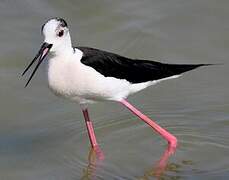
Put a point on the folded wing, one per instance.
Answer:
(133, 70)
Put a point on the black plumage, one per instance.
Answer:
(133, 70)
(63, 23)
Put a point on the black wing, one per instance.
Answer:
(134, 71)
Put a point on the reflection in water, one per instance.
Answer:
(163, 166)
(95, 159)
(162, 163)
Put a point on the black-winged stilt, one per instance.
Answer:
(87, 75)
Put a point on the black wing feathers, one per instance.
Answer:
(134, 71)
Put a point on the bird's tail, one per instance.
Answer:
(181, 68)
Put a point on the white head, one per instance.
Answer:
(56, 32)
(56, 40)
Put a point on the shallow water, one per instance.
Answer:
(44, 137)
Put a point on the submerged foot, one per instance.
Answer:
(172, 145)
(99, 153)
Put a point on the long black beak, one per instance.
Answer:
(42, 53)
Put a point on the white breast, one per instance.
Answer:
(61, 74)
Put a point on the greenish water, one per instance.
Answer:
(44, 137)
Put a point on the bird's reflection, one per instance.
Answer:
(162, 163)
(96, 157)
(160, 167)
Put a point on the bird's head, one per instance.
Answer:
(56, 40)
(56, 33)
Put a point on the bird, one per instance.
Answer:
(88, 75)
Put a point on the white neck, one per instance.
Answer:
(63, 51)
(64, 48)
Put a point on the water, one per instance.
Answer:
(44, 137)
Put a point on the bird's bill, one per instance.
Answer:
(42, 53)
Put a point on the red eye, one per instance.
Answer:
(60, 33)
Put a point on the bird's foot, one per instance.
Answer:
(99, 153)
(172, 145)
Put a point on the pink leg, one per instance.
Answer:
(172, 140)
(91, 134)
(90, 129)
